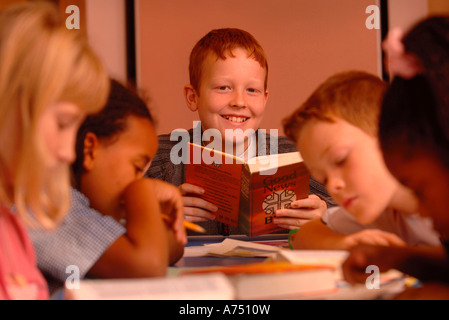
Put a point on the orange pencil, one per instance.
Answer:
(187, 224)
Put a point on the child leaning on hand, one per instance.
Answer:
(114, 228)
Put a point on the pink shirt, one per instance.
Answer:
(19, 276)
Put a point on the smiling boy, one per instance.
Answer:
(232, 95)
(228, 88)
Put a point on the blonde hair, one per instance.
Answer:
(354, 96)
(41, 63)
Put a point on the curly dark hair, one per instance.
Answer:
(415, 112)
(110, 121)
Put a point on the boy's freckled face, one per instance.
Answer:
(349, 163)
(232, 93)
(429, 179)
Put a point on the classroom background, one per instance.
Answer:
(148, 42)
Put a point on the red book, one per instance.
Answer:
(248, 193)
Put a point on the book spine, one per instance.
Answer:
(245, 202)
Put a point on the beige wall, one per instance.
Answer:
(107, 34)
(306, 41)
(404, 13)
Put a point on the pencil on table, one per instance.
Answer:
(187, 224)
(194, 227)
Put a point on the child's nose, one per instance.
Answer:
(238, 99)
(66, 153)
(335, 184)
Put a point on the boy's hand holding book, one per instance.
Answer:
(195, 208)
(300, 212)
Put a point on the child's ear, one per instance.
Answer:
(191, 97)
(89, 151)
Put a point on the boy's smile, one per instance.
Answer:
(235, 118)
(232, 93)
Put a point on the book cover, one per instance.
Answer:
(248, 193)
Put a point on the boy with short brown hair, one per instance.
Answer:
(336, 132)
(354, 96)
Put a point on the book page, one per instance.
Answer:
(220, 179)
(327, 257)
(237, 248)
(268, 163)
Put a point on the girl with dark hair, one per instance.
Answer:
(115, 228)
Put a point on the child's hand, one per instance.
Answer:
(195, 208)
(360, 257)
(300, 212)
(171, 204)
(371, 237)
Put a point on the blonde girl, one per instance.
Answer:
(49, 80)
